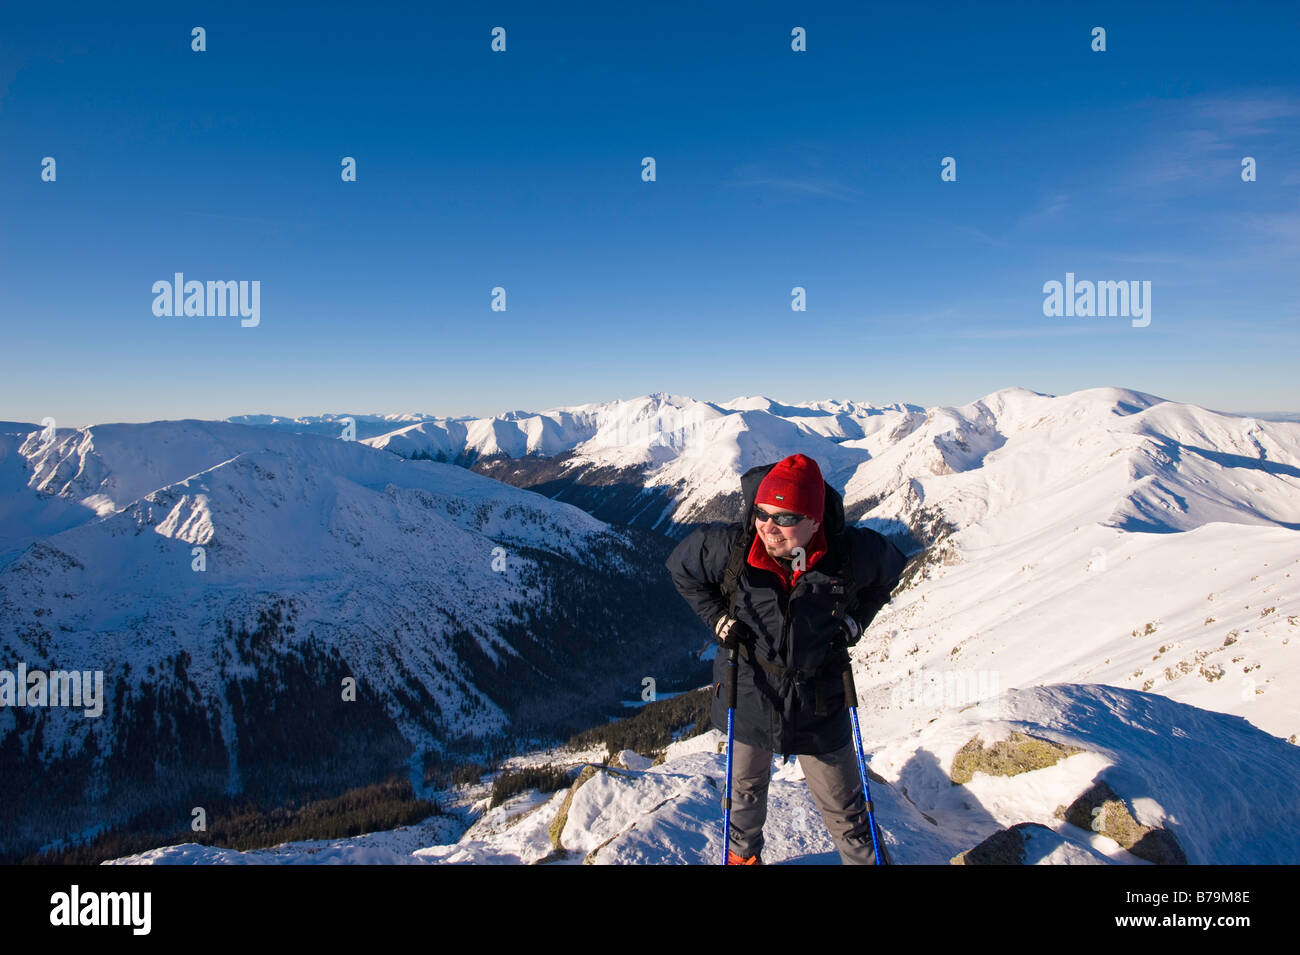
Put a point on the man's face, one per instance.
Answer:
(782, 541)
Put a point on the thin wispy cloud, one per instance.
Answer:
(913, 319)
(981, 235)
(1250, 115)
(1251, 240)
(1202, 140)
(229, 218)
(1051, 328)
(752, 176)
(1279, 226)
(1048, 209)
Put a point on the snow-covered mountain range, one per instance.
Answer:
(661, 461)
(1102, 537)
(226, 579)
(1053, 528)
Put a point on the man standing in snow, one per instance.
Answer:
(802, 589)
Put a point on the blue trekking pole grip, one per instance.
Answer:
(851, 701)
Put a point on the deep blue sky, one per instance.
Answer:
(522, 169)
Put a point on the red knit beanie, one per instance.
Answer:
(794, 484)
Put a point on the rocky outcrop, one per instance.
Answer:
(1102, 811)
(1027, 843)
(1010, 757)
(561, 817)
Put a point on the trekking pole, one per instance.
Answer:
(851, 701)
(731, 726)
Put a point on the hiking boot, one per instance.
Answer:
(733, 859)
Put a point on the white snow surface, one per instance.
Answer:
(1190, 771)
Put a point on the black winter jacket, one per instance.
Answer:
(783, 714)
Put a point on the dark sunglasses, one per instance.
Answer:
(782, 520)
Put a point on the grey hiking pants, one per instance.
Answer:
(834, 783)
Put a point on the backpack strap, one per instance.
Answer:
(848, 572)
(749, 482)
(735, 561)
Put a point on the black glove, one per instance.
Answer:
(728, 628)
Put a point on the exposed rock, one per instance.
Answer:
(590, 857)
(1004, 847)
(1102, 811)
(1009, 757)
(1028, 843)
(561, 817)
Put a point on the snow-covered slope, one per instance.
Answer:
(362, 541)
(222, 576)
(1103, 537)
(1189, 772)
(1124, 458)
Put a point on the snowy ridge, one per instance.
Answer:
(1101, 537)
(1184, 770)
(432, 586)
(1158, 465)
(429, 531)
(1014, 455)
(696, 448)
